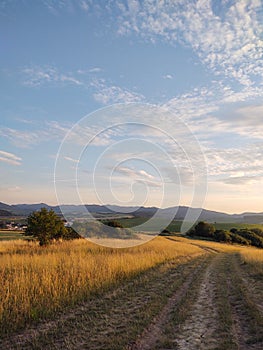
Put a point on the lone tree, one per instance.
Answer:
(45, 226)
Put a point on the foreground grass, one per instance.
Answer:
(254, 258)
(37, 281)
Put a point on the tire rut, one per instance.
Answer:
(198, 332)
(154, 332)
(221, 316)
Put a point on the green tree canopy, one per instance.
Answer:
(204, 229)
(45, 226)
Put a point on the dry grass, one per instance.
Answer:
(253, 257)
(38, 281)
(211, 245)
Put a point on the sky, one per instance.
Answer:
(154, 103)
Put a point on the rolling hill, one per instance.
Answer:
(179, 212)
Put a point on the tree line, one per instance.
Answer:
(246, 236)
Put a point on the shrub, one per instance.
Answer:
(257, 231)
(113, 223)
(236, 238)
(204, 229)
(191, 232)
(222, 236)
(255, 240)
(233, 230)
(165, 232)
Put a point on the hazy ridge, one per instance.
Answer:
(180, 212)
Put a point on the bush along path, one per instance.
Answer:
(207, 303)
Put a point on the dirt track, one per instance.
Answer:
(213, 302)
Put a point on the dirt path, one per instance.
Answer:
(217, 313)
(205, 303)
(198, 332)
(154, 331)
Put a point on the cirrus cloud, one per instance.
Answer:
(10, 158)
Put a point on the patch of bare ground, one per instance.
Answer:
(113, 320)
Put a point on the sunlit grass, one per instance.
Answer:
(37, 281)
(219, 247)
(253, 257)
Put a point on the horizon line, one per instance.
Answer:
(147, 207)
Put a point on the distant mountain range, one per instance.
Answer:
(180, 212)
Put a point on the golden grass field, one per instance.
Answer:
(253, 257)
(37, 281)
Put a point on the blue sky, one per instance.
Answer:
(200, 60)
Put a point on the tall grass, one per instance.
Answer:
(253, 257)
(37, 281)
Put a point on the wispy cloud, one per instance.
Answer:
(242, 180)
(10, 188)
(41, 132)
(244, 121)
(58, 6)
(85, 4)
(139, 176)
(198, 102)
(217, 109)
(20, 138)
(89, 71)
(179, 175)
(56, 131)
(168, 76)
(71, 159)
(55, 7)
(103, 91)
(10, 158)
(240, 166)
(36, 76)
(95, 70)
(107, 93)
